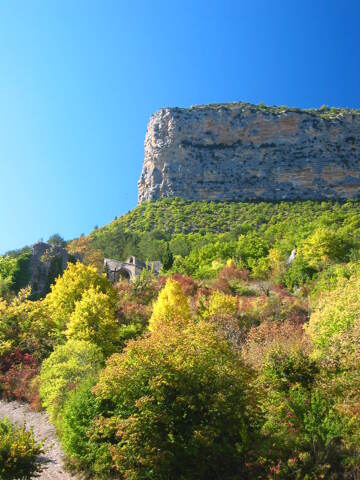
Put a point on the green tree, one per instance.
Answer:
(56, 240)
(301, 430)
(64, 370)
(79, 412)
(167, 258)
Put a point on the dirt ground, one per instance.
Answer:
(18, 413)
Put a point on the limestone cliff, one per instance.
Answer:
(247, 152)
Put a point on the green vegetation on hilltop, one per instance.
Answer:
(324, 111)
(199, 238)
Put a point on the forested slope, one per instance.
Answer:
(198, 238)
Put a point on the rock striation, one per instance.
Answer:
(247, 152)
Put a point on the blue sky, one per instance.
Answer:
(80, 78)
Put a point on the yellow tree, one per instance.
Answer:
(89, 255)
(323, 245)
(335, 313)
(221, 305)
(93, 320)
(171, 307)
(68, 290)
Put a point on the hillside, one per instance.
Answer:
(195, 234)
(215, 363)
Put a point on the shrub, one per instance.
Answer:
(64, 370)
(221, 305)
(18, 452)
(17, 369)
(187, 283)
(298, 273)
(80, 410)
(302, 431)
(269, 336)
(177, 406)
(335, 313)
(340, 381)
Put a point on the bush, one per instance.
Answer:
(221, 305)
(79, 411)
(298, 273)
(18, 452)
(335, 313)
(177, 406)
(302, 431)
(17, 369)
(64, 370)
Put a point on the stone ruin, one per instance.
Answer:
(46, 263)
(128, 270)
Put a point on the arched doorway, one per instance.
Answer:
(124, 274)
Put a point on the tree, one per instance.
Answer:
(177, 406)
(64, 370)
(301, 430)
(80, 410)
(171, 307)
(180, 245)
(335, 313)
(84, 248)
(69, 289)
(93, 320)
(220, 305)
(56, 240)
(323, 245)
(340, 381)
(167, 258)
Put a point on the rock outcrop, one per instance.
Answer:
(247, 152)
(46, 263)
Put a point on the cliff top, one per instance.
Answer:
(323, 112)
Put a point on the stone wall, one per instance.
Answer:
(247, 152)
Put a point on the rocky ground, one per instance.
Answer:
(18, 413)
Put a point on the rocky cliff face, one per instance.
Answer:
(247, 152)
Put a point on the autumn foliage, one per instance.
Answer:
(184, 378)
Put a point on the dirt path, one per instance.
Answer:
(18, 413)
